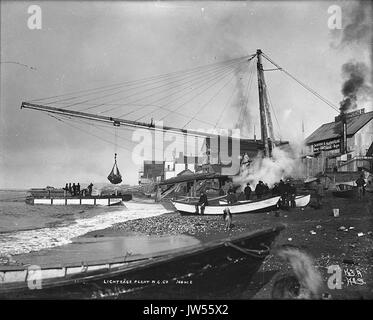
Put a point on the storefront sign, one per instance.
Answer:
(326, 145)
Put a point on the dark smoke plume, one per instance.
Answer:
(357, 29)
(355, 84)
(359, 23)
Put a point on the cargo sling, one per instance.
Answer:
(115, 177)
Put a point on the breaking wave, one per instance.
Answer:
(35, 240)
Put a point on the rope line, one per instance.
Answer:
(140, 80)
(194, 96)
(274, 112)
(212, 98)
(186, 75)
(119, 99)
(146, 89)
(330, 104)
(191, 86)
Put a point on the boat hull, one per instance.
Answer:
(70, 201)
(300, 201)
(237, 208)
(345, 191)
(197, 272)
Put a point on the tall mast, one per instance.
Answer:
(265, 114)
(263, 121)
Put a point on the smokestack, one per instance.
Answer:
(343, 147)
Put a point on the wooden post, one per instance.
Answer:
(263, 121)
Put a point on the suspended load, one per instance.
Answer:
(115, 177)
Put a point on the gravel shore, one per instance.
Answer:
(346, 241)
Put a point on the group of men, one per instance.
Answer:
(286, 190)
(74, 189)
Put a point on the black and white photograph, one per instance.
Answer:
(186, 150)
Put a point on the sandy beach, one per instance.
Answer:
(345, 241)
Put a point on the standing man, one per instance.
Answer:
(78, 189)
(90, 188)
(65, 190)
(231, 198)
(203, 202)
(292, 194)
(281, 191)
(360, 182)
(247, 191)
(259, 189)
(319, 193)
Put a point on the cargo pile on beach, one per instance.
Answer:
(175, 224)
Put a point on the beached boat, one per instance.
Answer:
(236, 208)
(300, 201)
(191, 271)
(52, 196)
(345, 191)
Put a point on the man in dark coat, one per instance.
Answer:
(360, 182)
(231, 198)
(259, 189)
(90, 188)
(203, 202)
(247, 191)
(282, 191)
(275, 191)
(292, 195)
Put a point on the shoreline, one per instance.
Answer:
(317, 232)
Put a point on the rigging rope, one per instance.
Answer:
(131, 82)
(227, 103)
(204, 82)
(95, 98)
(99, 127)
(274, 112)
(303, 84)
(212, 98)
(114, 100)
(195, 96)
(120, 91)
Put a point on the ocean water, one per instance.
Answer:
(26, 228)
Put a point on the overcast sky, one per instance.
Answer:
(90, 44)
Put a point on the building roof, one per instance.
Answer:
(191, 177)
(185, 172)
(332, 130)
